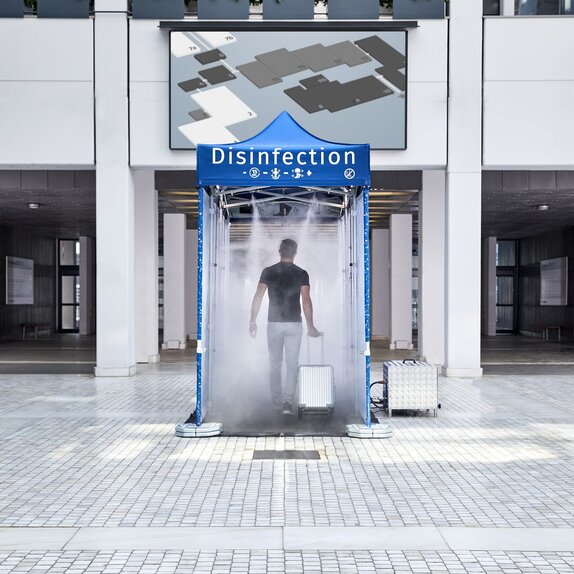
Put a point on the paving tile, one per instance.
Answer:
(35, 538)
(180, 538)
(498, 457)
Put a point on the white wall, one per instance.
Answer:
(432, 216)
(401, 276)
(488, 291)
(87, 285)
(146, 289)
(380, 284)
(115, 245)
(463, 191)
(174, 286)
(528, 93)
(191, 283)
(46, 92)
(47, 106)
(149, 99)
(427, 100)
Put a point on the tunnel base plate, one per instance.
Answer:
(374, 431)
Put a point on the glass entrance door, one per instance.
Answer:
(505, 320)
(69, 303)
(68, 286)
(506, 287)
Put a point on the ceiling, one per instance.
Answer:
(66, 202)
(510, 200)
(391, 192)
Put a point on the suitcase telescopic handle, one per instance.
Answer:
(309, 349)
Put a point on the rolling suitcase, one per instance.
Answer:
(316, 385)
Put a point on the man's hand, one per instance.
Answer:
(313, 332)
(255, 306)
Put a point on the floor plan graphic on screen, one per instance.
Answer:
(341, 86)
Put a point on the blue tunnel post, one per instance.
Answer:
(368, 430)
(193, 427)
(367, 256)
(199, 303)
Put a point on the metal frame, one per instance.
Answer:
(225, 196)
(291, 26)
(297, 26)
(247, 196)
(199, 304)
(367, 271)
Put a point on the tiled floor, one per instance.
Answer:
(469, 489)
(176, 562)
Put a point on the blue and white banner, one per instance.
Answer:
(283, 154)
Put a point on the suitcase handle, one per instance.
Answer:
(309, 349)
(409, 361)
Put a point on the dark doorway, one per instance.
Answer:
(68, 286)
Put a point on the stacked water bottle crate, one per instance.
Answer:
(412, 385)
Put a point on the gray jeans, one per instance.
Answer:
(279, 336)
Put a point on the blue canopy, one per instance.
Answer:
(283, 154)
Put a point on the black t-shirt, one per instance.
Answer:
(284, 281)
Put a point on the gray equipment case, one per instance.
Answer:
(411, 385)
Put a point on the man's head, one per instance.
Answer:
(288, 249)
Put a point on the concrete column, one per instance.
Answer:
(146, 267)
(174, 296)
(489, 286)
(87, 286)
(191, 283)
(401, 232)
(431, 267)
(380, 285)
(463, 190)
(114, 194)
(507, 7)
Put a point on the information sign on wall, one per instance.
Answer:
(554, 281)
(341, 86)
(19, 281)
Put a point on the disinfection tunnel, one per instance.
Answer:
(283, 183)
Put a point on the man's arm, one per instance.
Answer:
(308, 310)
(255, 306)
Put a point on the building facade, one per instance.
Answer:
(84, 119)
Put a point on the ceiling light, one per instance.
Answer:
(543, 207)
(173, 192)
(378, 193)
(34, 205)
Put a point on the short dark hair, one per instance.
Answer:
(288, 248)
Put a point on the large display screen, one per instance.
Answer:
(341, 86)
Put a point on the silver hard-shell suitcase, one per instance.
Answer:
(316, 385)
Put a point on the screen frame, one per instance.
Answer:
(281, 26)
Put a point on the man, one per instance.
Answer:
(288, 285)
